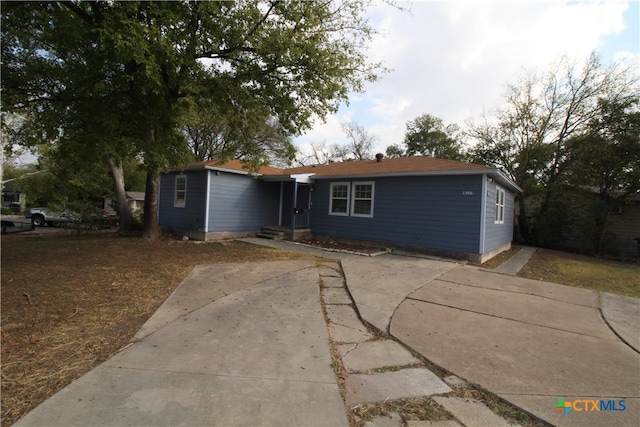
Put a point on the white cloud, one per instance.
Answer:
(453, 59)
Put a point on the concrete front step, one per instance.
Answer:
(271, 233)
(271, 236)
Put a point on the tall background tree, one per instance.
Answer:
(607, 165)
(359, 146)
(361, 142)
(140, 67)
(534, 138)
(427, 135)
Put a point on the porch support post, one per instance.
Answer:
(281, 199)
(293, 211)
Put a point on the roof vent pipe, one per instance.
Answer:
(379, 157)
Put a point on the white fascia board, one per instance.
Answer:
(219, 169)
(502, 178)
(304, 178)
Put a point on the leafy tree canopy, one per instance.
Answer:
(573, 123)
(124, 76)
(427, 135)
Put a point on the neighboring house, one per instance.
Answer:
(13, 198)
(135, 200)
(579, 232)
(623, 227)
(438, 206)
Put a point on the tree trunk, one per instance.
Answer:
(151, 227)
(601, 227)
(117, 174)
(523, 224)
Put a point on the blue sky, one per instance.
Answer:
(452, 59)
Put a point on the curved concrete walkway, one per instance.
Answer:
(235, 344)
(247, 344)
(527, 341)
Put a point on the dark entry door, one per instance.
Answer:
(303, 206)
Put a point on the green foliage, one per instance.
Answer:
(134, 175)
(427, 135)
(211, 135)
(607, 161)
(607, 157)
(394, 151)
(573, 125)
(552, 226)
(121, 78)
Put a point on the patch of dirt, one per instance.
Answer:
(499, 259)
(69, 302)
(344, 245)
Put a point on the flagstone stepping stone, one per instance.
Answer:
(406, 383)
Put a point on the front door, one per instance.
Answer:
(302, 206)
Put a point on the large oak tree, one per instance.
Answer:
(139, 67)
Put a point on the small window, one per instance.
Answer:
(499, 218)
(181, 191)
(362, 204)
(339, 203)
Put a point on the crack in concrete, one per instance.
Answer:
(205, 374)
(513, 292)
(504, 318)
(355, 346)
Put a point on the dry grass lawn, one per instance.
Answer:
(69, 302)
(600, 274)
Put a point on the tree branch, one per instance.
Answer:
(78, 11)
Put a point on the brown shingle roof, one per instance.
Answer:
(235, 165)
(416, 165)
(401, 165)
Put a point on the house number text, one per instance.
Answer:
(467, 193)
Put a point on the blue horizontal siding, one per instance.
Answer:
(497, 235)
(192, 215)
(239, 203)
(427, 212)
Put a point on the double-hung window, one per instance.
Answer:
(362, 204)
(499, 218)
(339, 202)
(351, 199)
(180, 198)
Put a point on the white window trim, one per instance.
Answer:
(353, 198)
(500, 205)
(333, 184)
(175, 192)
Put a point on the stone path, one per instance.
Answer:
(514, 264)
(379, 370)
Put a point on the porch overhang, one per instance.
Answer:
(300, 178)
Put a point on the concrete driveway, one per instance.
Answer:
(529, 342)
(247, 344)
(235, 344)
